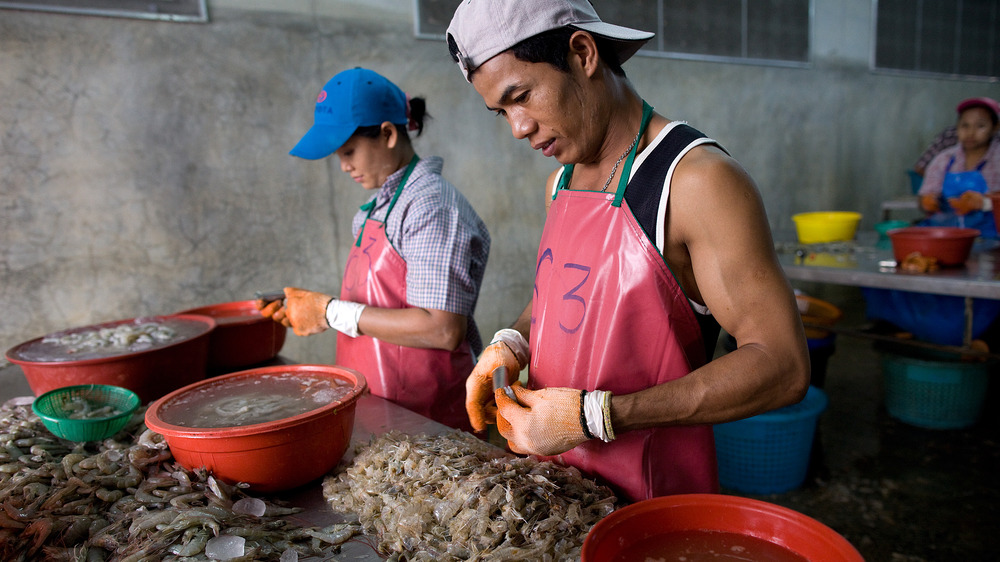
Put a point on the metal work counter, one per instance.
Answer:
(373, 416)
(869, 263)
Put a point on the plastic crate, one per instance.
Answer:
(934, 394)
(769, 453)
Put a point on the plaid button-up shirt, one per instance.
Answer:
(440, 236)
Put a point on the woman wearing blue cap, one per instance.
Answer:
(412, 279)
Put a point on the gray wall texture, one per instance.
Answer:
(144, 165)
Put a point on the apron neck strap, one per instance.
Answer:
(567, 174)
(647, 114)
(370, 206)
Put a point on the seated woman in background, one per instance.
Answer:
(958, 180)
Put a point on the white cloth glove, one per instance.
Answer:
(343, 316)
(597, 410)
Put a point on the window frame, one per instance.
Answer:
(657, 40)
(195, 11)
(746, 60)
(916, 73)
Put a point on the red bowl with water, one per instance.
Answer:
(694, 525)
(149, 370)
(224, 423)
(242, 337)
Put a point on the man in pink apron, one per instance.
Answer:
(650, 226)
(413, 275)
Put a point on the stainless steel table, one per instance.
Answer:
(373, 416)
(870, 263)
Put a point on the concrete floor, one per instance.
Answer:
(898, 492)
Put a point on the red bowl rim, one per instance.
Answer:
(933, 233)
(222, 310)
(209, 322)
(714, 508)
(154, 422)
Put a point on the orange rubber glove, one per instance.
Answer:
(547, 424)
(269, 309)
(967, 202)
(479, 403)
(303, 311)
(930, 203)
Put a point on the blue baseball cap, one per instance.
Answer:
(354, 98)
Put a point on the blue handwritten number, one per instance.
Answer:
(572, 296)
(545, 257)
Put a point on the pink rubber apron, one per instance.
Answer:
(608, 314)
(430, 382)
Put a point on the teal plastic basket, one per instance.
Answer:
(935, 394)
(89, 412)
(769, 453)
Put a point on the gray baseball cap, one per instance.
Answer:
(482, 29)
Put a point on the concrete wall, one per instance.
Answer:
(144, 166)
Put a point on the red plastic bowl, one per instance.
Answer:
(949, 244)
(150, 373)
(242, 337)
(659, 517)
(271, 456)
(995, 198)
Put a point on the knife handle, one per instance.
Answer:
(500, 381)
(270, 296)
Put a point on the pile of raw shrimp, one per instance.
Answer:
(124, 499)
(454, 497)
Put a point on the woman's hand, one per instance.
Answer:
(930, 203)
(301, 310)
(968, 202)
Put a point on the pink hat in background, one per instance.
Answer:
(988, 103)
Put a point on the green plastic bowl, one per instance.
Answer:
(89, 412)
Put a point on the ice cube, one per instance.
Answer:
(249, 506)
(224, 547)
(289, 555)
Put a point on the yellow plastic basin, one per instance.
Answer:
(826, 226)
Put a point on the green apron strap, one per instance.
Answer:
(647, 114)
(370, 206)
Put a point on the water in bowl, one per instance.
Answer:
(241, 401)
(100, 341)
(702, 546)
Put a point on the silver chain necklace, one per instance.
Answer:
(619, 161)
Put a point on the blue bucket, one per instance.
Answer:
(934, 394)
(769, 453)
